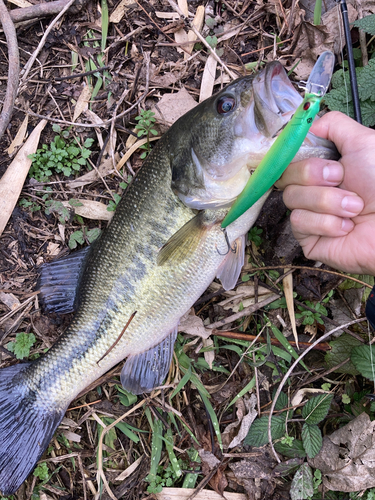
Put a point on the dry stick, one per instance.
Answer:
(14, 67)
(325, 347)
(37, 11)
(119, 337)
(335, 273)
(202, 39)
(100, 446)
(30, 62)
(282, 383)
(245, 312)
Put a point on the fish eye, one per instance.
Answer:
(225, 104)
(306, 105)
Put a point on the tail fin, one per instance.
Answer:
(26, 428)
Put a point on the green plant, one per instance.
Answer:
(31, 205)
(78, 237)
(309, 317)
(61, 156)
(340, 99)
(42, 472)
(254, 235)
(145, 126)
(22, 345)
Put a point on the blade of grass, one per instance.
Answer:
(213, 417)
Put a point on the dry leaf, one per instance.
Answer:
(198, 25)
(312, 40)
(21, 133)
(105, 168)
(129, 470)
(208, 78)
(91, 210)
(193, 325)
(120, 10)
(244, 420)
(21, 3)
(172, 106)
(185, 493)
(209, 356)
(9, 300)
(71, 436)
(208, 459)
(300, 394)
(288, 292)
(12, 181)
(82, 102)
(347, 458)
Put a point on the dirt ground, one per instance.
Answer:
(150, 52)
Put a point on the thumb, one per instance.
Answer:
(340, 129)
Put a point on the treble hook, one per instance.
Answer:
(230, 249)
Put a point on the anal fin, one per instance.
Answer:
(230, 269)
(142, 372)
(58, 281)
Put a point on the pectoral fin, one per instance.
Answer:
(144, 371)
(185, 241)
(230, 269)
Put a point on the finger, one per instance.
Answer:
(323, 200)
(306, 223)
(312, 172)
(346, 133)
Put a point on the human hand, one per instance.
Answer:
(333, 202)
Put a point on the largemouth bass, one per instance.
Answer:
(155, 259)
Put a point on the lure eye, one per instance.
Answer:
(225, 105)
(306, 106)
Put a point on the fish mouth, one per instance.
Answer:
(274, 91)
(275, 101)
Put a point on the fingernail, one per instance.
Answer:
(332, 173)
(352, 204)
(347, 225)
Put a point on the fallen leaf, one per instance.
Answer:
(9, 300)
(208, 459)
(288, 292)
(18, 140)
(208, 78)
(185, 493)
(301, 393)
(82, 102)
(347, 457)
(193, 325)
(209, 356)
(246, 421)
(12, 181)
(91, 210)
(105, 168)
(129, 470)
(198, 25)
(121, 10)
(171, 107)
(21, 3)
(311, 40)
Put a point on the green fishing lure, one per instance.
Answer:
(284, 149)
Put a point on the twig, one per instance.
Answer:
(37, 11)
(245, 312)
(81, 75)
(119, 338)
(30, 62)
(100, 446)
(286, 376)
(335, 273)
(202, 39)
(249, 338)
(13, 69)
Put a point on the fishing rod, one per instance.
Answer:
(352, 73)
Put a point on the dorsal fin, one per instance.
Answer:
(58, 281)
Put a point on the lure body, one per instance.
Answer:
(278, 157)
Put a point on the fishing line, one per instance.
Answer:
(349, 51)
(342, 58)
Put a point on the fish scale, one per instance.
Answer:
(155, 259)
